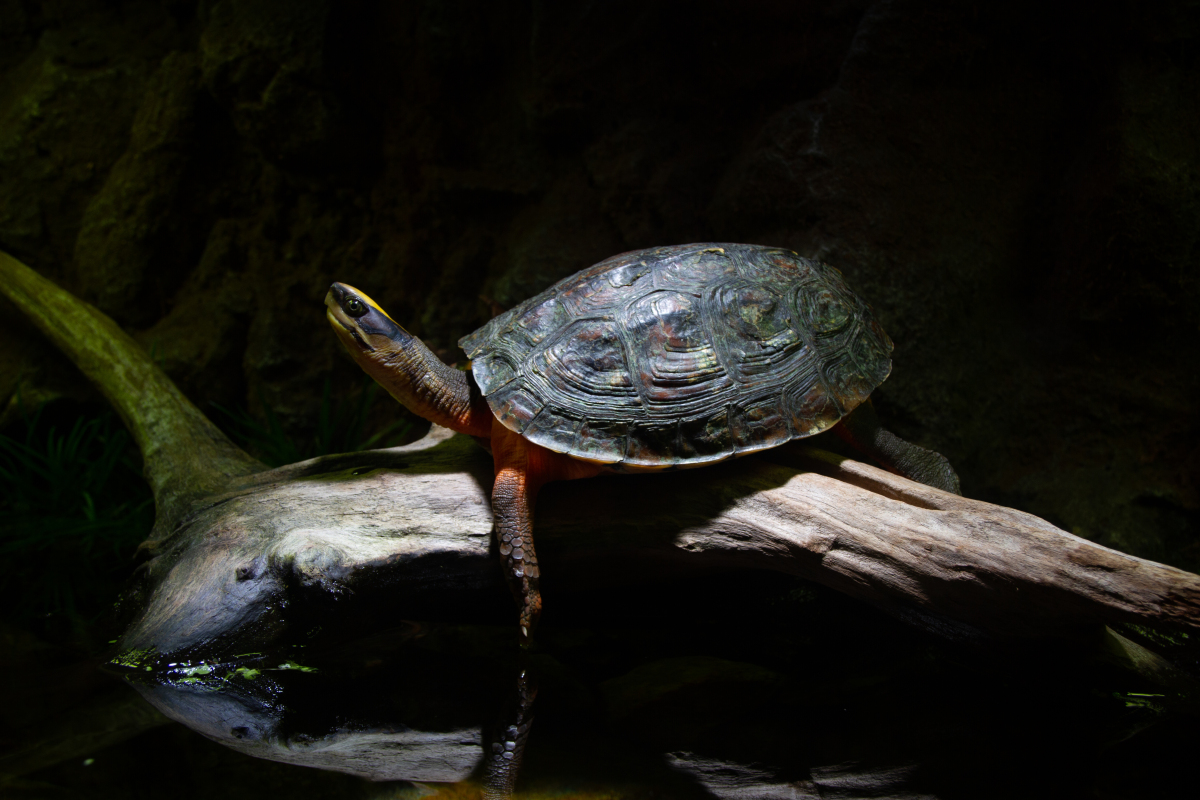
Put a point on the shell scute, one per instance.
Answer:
(648, 442)
(701, 267)
(706, 438)
(759, 424)
(551, 426)
(844, 382)
(603, 441)
(597, 295)
(823, 311)
(627, 274)
(543, 319)
(586, 366)
(812, 407)
(774, 266)
(674, 353)
(871, 358)
(515, 406)
(492, 371)
(754, 326)
(474, 343)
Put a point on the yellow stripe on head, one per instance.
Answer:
(366, 298)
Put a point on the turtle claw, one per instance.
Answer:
(530, 600)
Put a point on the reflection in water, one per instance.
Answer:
(809, 698)
(405, 707)
(256, 727)
(379, 711)
(507, 743)
(732, 781)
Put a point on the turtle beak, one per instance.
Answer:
(335, 294)
(345, 326)
(334, 298)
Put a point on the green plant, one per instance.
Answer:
(73, 508)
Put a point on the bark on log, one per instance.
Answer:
(241, 552)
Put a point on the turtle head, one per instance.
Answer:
(365, 329)
(402, 364)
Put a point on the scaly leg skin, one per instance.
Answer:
(862, 429)
(512, 505)
(519, 475)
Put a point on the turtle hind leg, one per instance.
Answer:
(862, 429)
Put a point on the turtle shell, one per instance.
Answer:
(681, 356)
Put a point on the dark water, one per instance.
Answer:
(670, 692)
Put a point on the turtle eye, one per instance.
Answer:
(354, 307)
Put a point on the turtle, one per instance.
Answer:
(668, 357)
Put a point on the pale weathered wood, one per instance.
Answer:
(245, 554)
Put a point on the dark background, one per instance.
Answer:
(1014, 187)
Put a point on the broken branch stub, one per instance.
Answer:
(185, 455)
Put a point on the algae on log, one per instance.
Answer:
(240, 552)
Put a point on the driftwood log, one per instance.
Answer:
(237, 550)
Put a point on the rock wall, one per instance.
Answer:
(1015, 188)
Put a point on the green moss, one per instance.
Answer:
(1161, 637)
(135, 659)
(212, 674)
(1150, 702)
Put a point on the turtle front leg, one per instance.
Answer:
(513, 494)
(522, 468)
